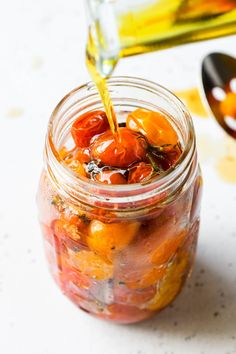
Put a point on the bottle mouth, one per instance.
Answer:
(127, 94)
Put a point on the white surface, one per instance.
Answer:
(42, 58)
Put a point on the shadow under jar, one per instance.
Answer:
(114, 279)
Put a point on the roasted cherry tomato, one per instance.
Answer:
(83, 155)
(140, 172)
(228, 106)
(70, 230)
(107, 239)
(166, 159)
(88, 125)
(110, 177)
(154, 126)
(119, 151)
(168, 249)
(91, 264)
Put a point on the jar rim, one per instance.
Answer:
(77, 185)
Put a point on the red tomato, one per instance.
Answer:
(124, 295)
(167, 159)
(119, 151)
(139, 172)
(110, 177)
(88, 125)
(83, 155)
(126, 314)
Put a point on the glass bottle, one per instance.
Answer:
(121, 28)
(122, 282)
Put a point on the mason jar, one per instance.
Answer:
(144, 235)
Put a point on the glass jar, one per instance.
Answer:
(120, 252)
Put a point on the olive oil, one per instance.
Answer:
(100, 81)
(123, 28)
(165, 24)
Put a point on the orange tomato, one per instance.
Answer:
(69, 227)
(91, 264)
(154, 125)
(107, 239)
(110, 177)
(119, 151)
(228, 105)
(168, 249)
(77, 167)
(145, 277)
(83, 155)
(88, 125)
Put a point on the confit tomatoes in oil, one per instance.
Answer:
(154, 126)
(110, 177)
(88, 125)
(119, 151)
(139, 172)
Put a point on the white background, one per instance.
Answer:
(41, 59)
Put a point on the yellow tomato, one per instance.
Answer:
(171, 285)
(154, 125)
(91, 264)
(107, 239)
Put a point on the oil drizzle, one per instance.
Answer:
(100, 82)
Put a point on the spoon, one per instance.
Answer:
(218, 73)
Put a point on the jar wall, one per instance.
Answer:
(116, 269)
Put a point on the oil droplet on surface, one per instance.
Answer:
(208, 148)
(226, 165)
(15, 112)
(193, 101)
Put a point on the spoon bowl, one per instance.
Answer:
(218, 74)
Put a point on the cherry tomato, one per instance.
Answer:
(228, 106)
(122, 151)
(72, 275)
(110, 177)
(166, 159)
(83, 155)
(107, 239)
(88, 125)
(70, 230)
(154, 126)
(91, 264)
(168, 249)
(77, 167)
(126, 313)
(140, 172)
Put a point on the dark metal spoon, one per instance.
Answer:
(218, 72)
